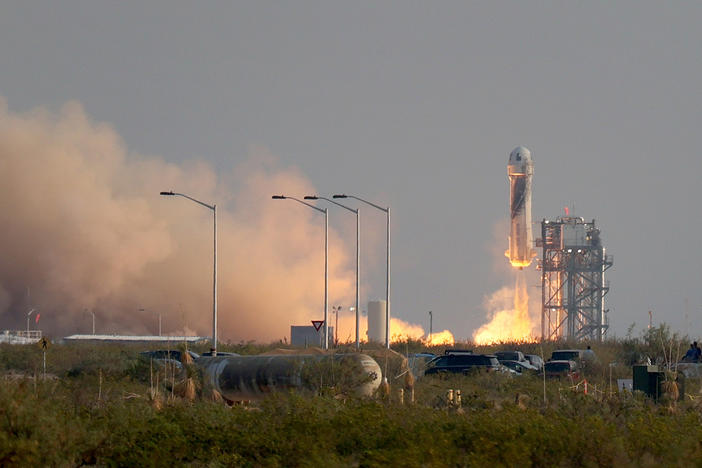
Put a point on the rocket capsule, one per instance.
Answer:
(520, 168)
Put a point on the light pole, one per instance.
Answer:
(357, 212)
(431, 317)
(214, 274)
(387, 271)
(159, 319)
(326, 258)
(93, 314)
(28, 315)
(336, 325)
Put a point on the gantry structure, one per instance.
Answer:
(573, 286)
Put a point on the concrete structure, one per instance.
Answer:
(135, 339)
(20, 336)
(306, 335)
(376, 321)
(573, 285)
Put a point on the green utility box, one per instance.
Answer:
(649, 380)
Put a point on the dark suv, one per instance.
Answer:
(462, 363)
(510, 356)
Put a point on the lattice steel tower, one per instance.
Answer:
(573, 285)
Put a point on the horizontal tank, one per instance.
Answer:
(240, 378)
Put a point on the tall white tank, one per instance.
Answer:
(376, 321)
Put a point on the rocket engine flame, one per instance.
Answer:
(509, 322)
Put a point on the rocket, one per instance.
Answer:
(520, 168)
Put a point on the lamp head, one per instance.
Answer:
(340, 196)
(311, 197)
(278, 197)
(168, 193)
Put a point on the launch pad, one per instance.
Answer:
(573, 285)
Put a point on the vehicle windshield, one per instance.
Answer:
(558, 366)
(439, 361)
(564, 355)
(508, 355)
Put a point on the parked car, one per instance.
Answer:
(520, 367)
(462, 364)
(535, 360)
(219, 353)
(510, 356)
(561, 368)
(167, 354)
(572, 355)
(566, 355)
(418, 362)
(171, 357)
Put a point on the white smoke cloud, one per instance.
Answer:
(85, 228)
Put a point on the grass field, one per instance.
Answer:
(101, 405)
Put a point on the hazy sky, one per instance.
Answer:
(415, 105)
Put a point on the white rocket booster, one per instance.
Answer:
(520, 168)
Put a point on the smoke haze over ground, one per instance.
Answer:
(85, 228)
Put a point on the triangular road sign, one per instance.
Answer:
(317, 324)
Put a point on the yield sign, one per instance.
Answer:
(317, 324)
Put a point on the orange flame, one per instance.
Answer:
(441, 338)
(400, 330)
(507, 323)
(520, 263)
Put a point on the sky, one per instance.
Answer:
(411, 105)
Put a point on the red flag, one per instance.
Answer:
(567, 211)
(36, 320)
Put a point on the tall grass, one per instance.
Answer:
(100, 410)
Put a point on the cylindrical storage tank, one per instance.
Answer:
(240, 378)
(376, 321)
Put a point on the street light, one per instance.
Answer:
(387, 281)
(326, 257)
(357, 212)
(159, 319)
(336, 325)
(431, 317)
(93, 314)
(214, 275)
(28, 315)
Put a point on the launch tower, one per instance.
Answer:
(573, 285)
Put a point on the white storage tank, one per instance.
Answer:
(376, 321)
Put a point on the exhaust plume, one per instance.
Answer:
(508, 312)
(85, 228)
(400, 330)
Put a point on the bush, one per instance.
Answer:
(102, 415)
